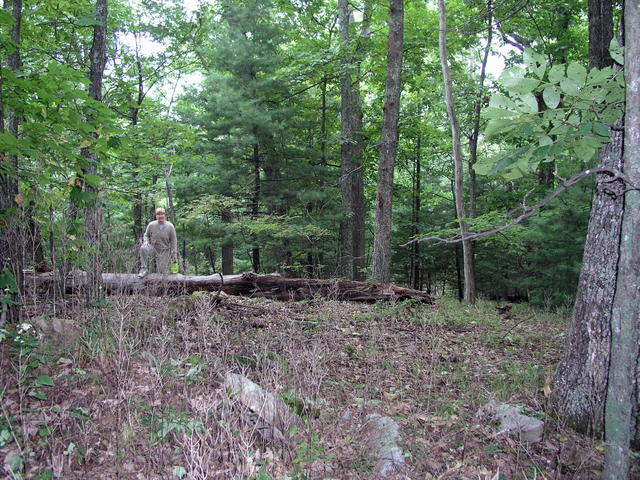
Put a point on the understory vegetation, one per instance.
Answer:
(133, 389)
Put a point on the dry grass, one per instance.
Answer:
(139, 395)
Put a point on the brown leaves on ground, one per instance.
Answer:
(140, 396)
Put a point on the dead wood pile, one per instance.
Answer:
(247, 284)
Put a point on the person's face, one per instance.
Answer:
(161, 217)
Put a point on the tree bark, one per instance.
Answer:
(473, 138)
(580, 381)
(93, 213)
(467, 245)
(600, 32)
(620, 421)
(11, 226)
(255, 201)
(416, 264)
(381, 266)
(247, 284)
(352, 240)
(227, 245)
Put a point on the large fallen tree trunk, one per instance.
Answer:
(247, 284)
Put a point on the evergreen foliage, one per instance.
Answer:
(253, 147)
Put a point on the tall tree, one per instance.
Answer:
(243, 108)
(93, 213)
(467, 245)
(388, 145)
(620, 420)
(581, 378)
(11, 228)
(475, 131)
(351, 182)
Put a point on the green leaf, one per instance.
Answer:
(511, 76)
(583, 152)
(44, 475)
(597, 76)
(577, 73)
(498, 100)
(179, 471)
(43, 381)
(499, 126)
(551, 96)
(92, 180)
(88, 21)
(38, 395)
(493, 113)
(545, 140)
(569, 86)
(616, 51)
(556, 73)
(536, 62)
(529, 103)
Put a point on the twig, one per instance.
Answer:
(529, 212)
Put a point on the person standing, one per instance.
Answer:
(159, 241)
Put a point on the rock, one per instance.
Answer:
(59, 330)
(383, 435)
(512, 421)
(275, 420)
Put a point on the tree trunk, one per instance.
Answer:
(93, 214)
(415, 266)
(600, 33)
(227, 245)
(622, 390)
(249, 284)
(255, 202)
(138, 227)
(473, 139)
(11, 226)
(467, 245)
(169, 189)
(580, 380)
(381, 267)
(352, 241)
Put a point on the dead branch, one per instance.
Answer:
(615, 189)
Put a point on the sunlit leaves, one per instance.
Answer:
(578, 108)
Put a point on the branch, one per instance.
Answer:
(609, 188)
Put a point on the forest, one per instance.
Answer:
(392, 212)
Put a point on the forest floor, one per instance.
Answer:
(132, 389)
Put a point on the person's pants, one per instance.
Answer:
(162, 258)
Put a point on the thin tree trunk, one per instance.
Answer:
(381, 267)
(467, 245)
(138, 227)
(93, 214)
(169, 189)
(625, 319)
(227, 244)
(255, 203)
(323, 121)
(415, 268)
(473, 139)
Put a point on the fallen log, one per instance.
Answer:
(247, 284)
